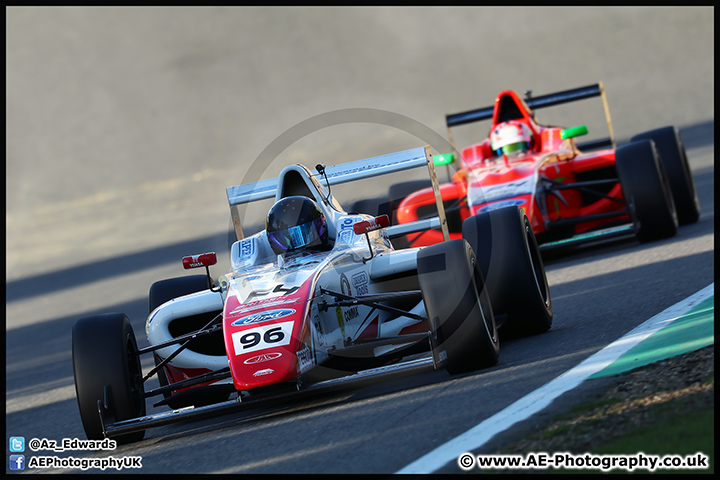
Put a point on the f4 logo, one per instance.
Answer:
(278, 289)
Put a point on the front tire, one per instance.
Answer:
(646, 190)
(464, 335)
(513, 269)
(105, 353)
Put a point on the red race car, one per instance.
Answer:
(572, 193)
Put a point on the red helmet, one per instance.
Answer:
(511, 136)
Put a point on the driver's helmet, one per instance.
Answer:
(510, 137)
(296, 224)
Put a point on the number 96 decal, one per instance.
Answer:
(259, 338)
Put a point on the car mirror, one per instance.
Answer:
(574, 132)
(203, 260)
(367, 226)
(443, 159)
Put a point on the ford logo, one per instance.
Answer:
(496, 205)
(263, 317)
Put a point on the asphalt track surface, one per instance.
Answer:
(683, 327)
(125, 125)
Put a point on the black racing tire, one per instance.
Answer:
(674, 158)
(510, 260)
(646, 190)
(164, 291)
(105, 353)
(464, 335)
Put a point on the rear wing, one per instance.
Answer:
(343, 173)
(549, 100)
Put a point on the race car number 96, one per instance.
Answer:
(259, 338)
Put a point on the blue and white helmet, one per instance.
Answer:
(296, 224)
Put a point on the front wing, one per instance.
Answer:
(114, 429)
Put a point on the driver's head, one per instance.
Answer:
(510, 137)
(296, 224)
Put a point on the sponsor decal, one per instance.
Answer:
(347, 223)
(247, 247)
(266, 371)
(278, 289)
(362, 168)
(351, 313)
(265, 357)
(494, 206)
(318, 330)
(201, 260)
(317, 324)
(488, 193)
(367, 226)
(341, 321)
(345, 285)
(360, 282)
(347, 235)
(305, 359)
(262, 316)
(268, 302)
(262, 337)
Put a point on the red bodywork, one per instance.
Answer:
(267, 345)
(485, 181)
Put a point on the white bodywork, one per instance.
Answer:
(256, 269)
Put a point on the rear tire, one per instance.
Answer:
(464, 336)
(513, 269)
(105, 353)
(674, 158)
(646, 190)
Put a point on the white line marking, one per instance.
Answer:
(542, 397)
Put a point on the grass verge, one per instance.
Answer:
(664, 410)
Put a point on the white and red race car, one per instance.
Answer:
(280, 324)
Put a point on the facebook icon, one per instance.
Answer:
(17, 462)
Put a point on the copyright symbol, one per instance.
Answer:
(466, 461)
(34, 444)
